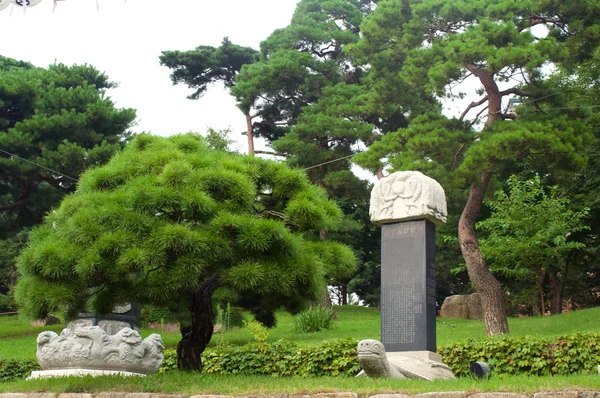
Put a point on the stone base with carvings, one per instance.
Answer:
(91, 349)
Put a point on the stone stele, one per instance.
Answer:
(90, 349)
(398, 365)
(407, 195)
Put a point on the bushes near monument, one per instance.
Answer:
(281, 358)
(508, 355)
(533, 356)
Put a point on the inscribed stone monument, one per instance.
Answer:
(408, 205)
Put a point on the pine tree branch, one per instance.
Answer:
(471, 106)
(15, 205)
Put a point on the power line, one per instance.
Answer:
(568, 107)
(331, 161)
(39, 165)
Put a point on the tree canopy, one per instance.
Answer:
(54, 123)
(168, 221)
(503, 47)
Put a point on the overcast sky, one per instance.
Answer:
(125, 38)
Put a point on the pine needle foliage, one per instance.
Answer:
(167, 214)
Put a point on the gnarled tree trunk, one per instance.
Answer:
(485, 283)
(196, 337)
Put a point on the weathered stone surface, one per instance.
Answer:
(557, 394)
(407, 195)
(336, 395)
(111, 394)
(49, 320)
(464, 307)
(91, 348)
(375, 363)
(391, 396)
(497, 395)
(27, 395)
(443, 394)
(209, 396)
(74, 395)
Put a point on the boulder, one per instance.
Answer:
(49, 320)
(465, 307)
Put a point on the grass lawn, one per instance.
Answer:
(17, 338)
(17, 341)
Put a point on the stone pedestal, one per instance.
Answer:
(123, 316)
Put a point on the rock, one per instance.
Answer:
(49, 320)
(375, 362)
(465, 307)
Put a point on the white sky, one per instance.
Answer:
(125, 38)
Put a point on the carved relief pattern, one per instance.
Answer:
(407, 195)
(90, 347)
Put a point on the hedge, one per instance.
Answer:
(282, 358)
(11, 370)
(533, 356)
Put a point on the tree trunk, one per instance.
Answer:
(344, 294)
(556, 287)
(196, 337)
(250, 134)
(485, 283)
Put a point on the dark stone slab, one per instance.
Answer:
(408, 287)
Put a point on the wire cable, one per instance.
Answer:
(39, 165)
(331, 161)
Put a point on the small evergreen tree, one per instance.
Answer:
(169, 221)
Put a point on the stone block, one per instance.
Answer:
(74, 395)
(391, 396)
(497, 395)
(49, 320)
(209, 396)
(557, 394)
(464, 307)
(27, 395)
(335, 395)
(443, 394)
(111, 394)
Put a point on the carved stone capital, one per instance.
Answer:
(407, 195)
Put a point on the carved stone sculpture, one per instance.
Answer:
(376, 363)
(407, 195)
(92, 348)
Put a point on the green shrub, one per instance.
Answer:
(313, 319)
(229, 317)
(534, 356)
(12, 370)
(282, 358)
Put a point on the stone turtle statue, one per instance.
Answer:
(376, 363)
